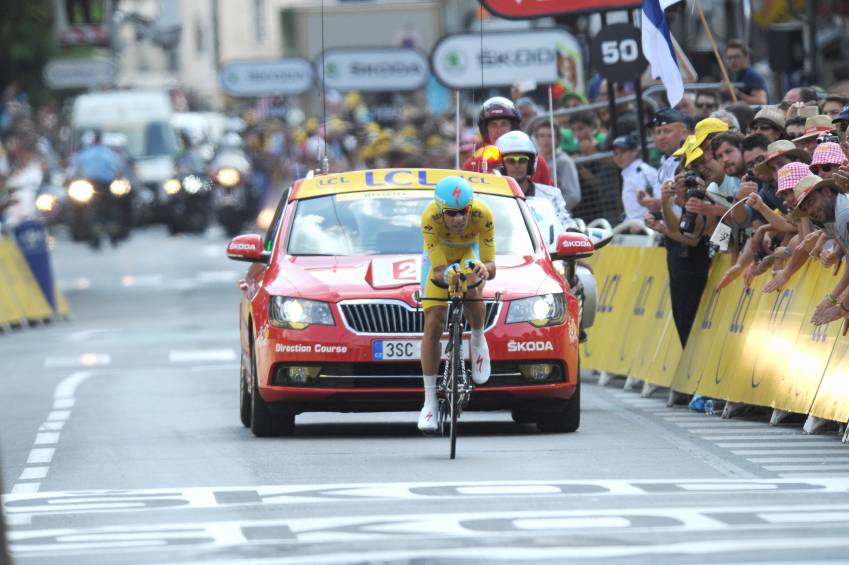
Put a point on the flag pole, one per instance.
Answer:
(716, 51)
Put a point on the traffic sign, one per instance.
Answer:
(615, 52)
(378, 69)
(60, 74)
(545, 55)
(523, 9)
(266, 77)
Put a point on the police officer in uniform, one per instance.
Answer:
(639, 180)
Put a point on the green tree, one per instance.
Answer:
(27, 42)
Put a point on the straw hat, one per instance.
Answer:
(777, 149)
(806, 186)
(814, 127)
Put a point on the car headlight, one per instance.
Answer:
(81, 190)
(120, 187)
(192, 184)
(45, 203)
(539, 311)
(297, 313)
(227, 177)
(172, 187)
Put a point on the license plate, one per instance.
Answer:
(406, 349)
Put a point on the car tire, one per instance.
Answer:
(264, 422)
(566, 420)
(244, 399)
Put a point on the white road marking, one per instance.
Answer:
(197, 355)
(48, 503)
(807, 467)
(41, 455)
(51, 426)
(217, 276)
(829, 457)
(19, 488)
(749, 437)
(49, 434)
(778, 451)
(152, 280)
(781, 443)
(31, 473)
(764, 430)
(47, 438)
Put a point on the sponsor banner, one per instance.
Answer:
(770, 337)
(266, 77)
(615, 271)
(23, 294)
(60, 74)
(376, 69)
(832, 399)
(521, 10)
(545, 55)
(703, 334)
(802, 373)
(731, 314)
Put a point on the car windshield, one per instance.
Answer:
(382, 223)
(154, 139)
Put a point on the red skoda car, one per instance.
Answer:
(329, 318)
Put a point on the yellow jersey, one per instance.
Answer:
(443, 247)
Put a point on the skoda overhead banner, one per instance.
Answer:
(378, 69)
(522, 9)
(546, 55)
(267, 77)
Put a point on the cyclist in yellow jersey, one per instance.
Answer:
(458, 230)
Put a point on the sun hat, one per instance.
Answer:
(828, 153)
(772, 115)
(805, 187)
(777, 149)
(815, 126)
(704, 128)
(790, 174)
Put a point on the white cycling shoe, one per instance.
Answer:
(480, 363)
(428, 419)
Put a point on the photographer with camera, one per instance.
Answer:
(818, 129)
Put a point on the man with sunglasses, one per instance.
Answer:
(827, 158)
(518, 160)
(458, 230)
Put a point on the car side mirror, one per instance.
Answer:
(248, 248)
(572, 245)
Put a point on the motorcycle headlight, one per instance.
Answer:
(539, 311)
(81, 190)
(297, 313)
(172, 186)
(45, 203)
(120, 187)
(192, 184)
(227, 177)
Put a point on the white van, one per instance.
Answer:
(144, 117)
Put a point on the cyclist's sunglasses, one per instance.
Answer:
(516, 159)
(456, 213)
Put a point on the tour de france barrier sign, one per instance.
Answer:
(375, 69)
(745, 345)
(21, 299)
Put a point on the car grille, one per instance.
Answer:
(378, 317)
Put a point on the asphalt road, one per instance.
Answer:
(121, 444)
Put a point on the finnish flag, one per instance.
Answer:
(658, 50)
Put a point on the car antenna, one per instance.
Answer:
(325, 162)
(553, 137)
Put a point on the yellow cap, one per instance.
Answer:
(685, 147)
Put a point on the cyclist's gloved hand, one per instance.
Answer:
(450, 272)
(478, 268)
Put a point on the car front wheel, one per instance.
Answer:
(565, 420)
(264, 422)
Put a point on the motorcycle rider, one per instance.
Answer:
(96, 163)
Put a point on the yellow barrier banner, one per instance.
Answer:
(771, 336)
(832, 399)
(10, 312)
(703, 334)
(660, 367)
(651, 307)
(18, 279)
(803, 372)
(643, 330)
(63, 310)
(614, 274)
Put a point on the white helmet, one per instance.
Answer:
(518, 142)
